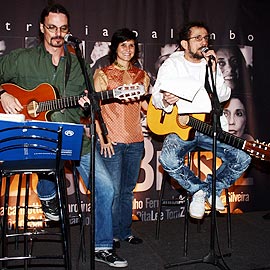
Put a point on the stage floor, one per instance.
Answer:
(250, 245)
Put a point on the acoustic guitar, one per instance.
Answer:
(184, 125)
(39, 102)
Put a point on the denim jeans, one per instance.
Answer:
(234, 163)
(103, 198)
(124, 168)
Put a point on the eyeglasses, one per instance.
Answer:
(53, 29)
(200, 38)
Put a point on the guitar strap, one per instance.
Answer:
(68, 65)
(67, 70)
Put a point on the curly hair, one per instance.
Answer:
(185, 31)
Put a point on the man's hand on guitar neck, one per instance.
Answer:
(169, 99)
(9, 103)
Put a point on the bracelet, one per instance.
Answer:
(2, 92)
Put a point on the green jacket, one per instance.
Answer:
(30, 67)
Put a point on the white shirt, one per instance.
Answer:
(186, 80)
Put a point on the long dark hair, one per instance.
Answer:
(120, 36)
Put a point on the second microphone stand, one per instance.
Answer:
(211, 257)
(95, 110)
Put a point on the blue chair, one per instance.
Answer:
(26, 149)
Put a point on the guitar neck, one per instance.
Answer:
(69, 102)
(222, 135)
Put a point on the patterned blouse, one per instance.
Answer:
(122, 119)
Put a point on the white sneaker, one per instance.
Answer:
(219, 204)
(197, 206)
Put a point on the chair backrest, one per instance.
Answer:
(23, 142)
(72, 136)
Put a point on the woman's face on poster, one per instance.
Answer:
(229, 65)
(236, 116)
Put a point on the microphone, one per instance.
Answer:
(70, 38)
(205, 50)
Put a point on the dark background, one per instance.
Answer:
(157, 22)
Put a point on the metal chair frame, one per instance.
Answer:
(39, 139)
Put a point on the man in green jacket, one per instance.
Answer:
(51, 62)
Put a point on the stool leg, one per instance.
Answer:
(5, 222)
(18, 209)
(229, 223)
(186, 225)
(25, 222)
(81, 221)
(164, 179)
(62, 195)
(186, 222)
(188, 201)
(199, 175)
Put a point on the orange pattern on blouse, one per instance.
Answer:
(122, 119)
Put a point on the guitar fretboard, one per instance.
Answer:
(58, 104)
(222, 135)
(69, 102)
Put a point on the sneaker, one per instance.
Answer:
(134, 240)
(111, 258)
(197, 206)
(50, 209)
(219, 204)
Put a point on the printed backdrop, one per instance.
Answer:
(239, 34)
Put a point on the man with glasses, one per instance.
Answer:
(51, 62)
(182, 81)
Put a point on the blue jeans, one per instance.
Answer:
(103, 198)
(124, 168)
(234, 163)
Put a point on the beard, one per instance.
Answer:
(57, 41)
(196, 55)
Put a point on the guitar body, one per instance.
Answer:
(31, 98)
(183, 125)
(39, 103)
(170, 124)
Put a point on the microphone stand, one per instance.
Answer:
(211, 257)
(95, 110)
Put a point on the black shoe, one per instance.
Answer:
(116, 243)
(50, 209)
(266, 216)
(111, 258)
(134, 240)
